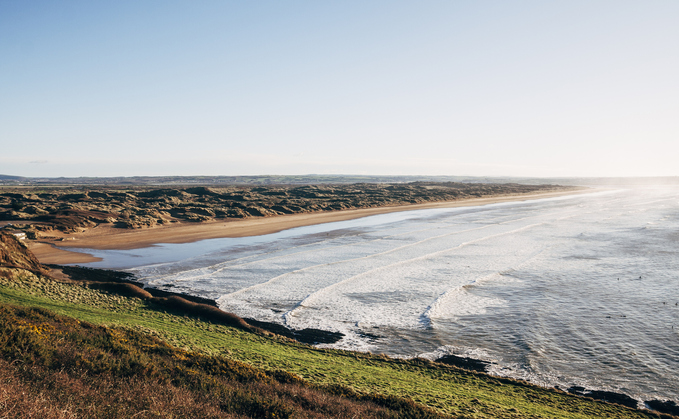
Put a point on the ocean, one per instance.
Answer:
(576, 290)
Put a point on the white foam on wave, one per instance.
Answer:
(330, 295)
(214, 270)
(245, 295)
(459, 301)
(157, 275)
(314, 292)
(305, 297)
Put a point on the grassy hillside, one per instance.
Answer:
(73, 368)
(374, 383)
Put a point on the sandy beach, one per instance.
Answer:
(105, 237)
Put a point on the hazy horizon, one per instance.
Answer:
(489, 88)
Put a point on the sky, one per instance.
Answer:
(469, 88)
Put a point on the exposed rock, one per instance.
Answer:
(124, 283)
(607, 396)
(17, 262)
(309, 336)
(664, 406)
(465, 362)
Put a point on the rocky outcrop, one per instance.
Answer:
(664, 406)
(465, 362)
(607, 396)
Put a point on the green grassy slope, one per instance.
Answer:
(446, 389)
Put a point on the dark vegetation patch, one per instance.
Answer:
(84, 274)
(665, 406)
(607, 396)
(465, 362)
(309, 335)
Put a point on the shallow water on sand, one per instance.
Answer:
(572, 290)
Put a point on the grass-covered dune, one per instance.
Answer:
(71, 351)
(42, 211)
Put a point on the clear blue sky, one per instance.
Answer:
(516, 88)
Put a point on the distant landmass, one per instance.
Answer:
(312, 179)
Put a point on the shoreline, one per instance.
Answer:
(118, 282)
(106, 237)
(579, 391)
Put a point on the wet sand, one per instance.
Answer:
(105, 237)
(49, 254)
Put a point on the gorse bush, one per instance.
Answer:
(120, 372)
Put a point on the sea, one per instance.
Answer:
(577, 290)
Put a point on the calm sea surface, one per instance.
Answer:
(580, 290)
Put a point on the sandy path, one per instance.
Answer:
(106, 237)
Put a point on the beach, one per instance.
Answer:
(560, 292)
(105, 237)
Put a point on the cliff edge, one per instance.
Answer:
(15, 255)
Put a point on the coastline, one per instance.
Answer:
(125, 284)
(468, 363)
(106, 237)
